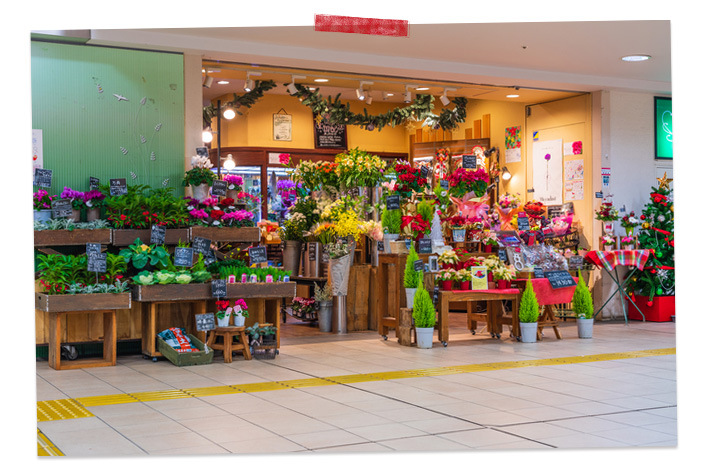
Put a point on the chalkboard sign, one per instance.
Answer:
(157, 234)
(424, 246)
(61, 208)
(209, 258)
(202, 151)
(418, 265)
(312, 251)
(444, 184)
(183, 257)
(97, 262)
(118, 187)
(219, 188)
(92, 248)
(381, 246)
(575, 262)
(325, 256)
(502, 255)
(219, 288)
(408, 244)
(436, 294)
(94, 183)
(523, 223)
(559, 279)
(329, 135)
(393, 202)
(201, 245)
(424, 172)
(43, 178)
(469, 161)
(539, 273)
(204, 322)
(257, 254)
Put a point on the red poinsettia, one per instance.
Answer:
(416, 224)
(463, 181)
(409, 180)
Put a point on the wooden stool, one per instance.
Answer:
(227, 347)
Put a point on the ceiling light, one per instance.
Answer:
(321, 80)
(386, 95)
(360, 94)
(512, 96)
(421, 89)
(292, 89)
(229, 113)
(444, 99)
(407, 97)
(208, 81)
(635, 58)
(368, 97)
(223, 82)
(506, 174)
(207, 135)
(249, 85)
(229, 163)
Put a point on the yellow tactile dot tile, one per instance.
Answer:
(300, 383)
(160, 395)
(54, 410)
(351, 378)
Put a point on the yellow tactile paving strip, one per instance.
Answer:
(46, 448)
(75, 408)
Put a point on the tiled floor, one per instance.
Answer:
(603, 403)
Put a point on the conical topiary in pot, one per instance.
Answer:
(424, 318)
(412, 278)
(528, 314)
(583, 306)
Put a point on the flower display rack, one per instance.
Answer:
(226, 234)
(124, 237)
(60, 237)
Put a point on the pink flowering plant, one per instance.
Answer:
(241, 308)
(42, 200)
(94, 199)
(77, 198)
(235, 182)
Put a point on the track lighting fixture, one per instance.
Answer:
(291, 88)
(506, 174)
(407, 95)
(208, 81)
(249, 82)
(229, 162)
(360, 92)
(368, 97)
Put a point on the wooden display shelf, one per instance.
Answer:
(226, 234)
(60, 237)
(202, 291)
(81, 302)
(123, 237)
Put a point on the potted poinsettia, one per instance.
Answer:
(463, 181)
(457, 225)
(503, 274)
(446, 278)
(464, 277)
(489, 240)
(448, 259)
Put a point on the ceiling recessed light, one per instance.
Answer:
(421, 89)
(321, 80)
(223, 82)
(512, 96)
(636, 58)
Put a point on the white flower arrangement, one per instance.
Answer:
(203, 162)
(449, 257)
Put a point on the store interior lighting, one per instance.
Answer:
(506, 174)
(291, 88)
(407, 96)
(229, 113)
(368, 97)
(208, 81)
(229, 162)
(444, 99)
(207, 135)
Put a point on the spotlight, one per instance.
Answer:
(368, 97)
(292, 89)
(249, 82)
(444, 99)
(208, 81)
(229, 113)
(386, 95)
(506, 174)
(207, 135)
(407, 95)
(360, 94)
(229, 162)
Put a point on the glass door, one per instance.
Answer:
(251, 194)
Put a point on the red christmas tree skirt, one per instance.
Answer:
(661, 310)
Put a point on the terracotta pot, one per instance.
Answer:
(93, 214)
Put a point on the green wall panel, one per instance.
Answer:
(88, 131)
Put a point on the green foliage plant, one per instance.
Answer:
(423, 309)
(582, 302)
(412, 278)
(426, 209)
(390, 220)
(529, 307)
(141, 255)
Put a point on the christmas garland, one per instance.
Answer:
(420, 109)
(245, 100)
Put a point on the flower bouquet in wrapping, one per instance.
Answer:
(629, 222)
(463, 181)
(358, 168)
(509, 202)
(607, 212)
(534, 209)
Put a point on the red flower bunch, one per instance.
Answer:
(463, 181)
(217, 214)
(455, 221)
(534, 209)
(225, 202)
(409, 180)
(416, 224)
(222, 304)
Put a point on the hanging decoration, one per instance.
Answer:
(421, 109)
(245, 100)
(441, 163)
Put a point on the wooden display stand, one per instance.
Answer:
(406, 331)
(227, 346)
(494, 319)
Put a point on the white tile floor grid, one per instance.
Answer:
(603, 404)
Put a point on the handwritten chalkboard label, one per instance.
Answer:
(94, 183)
(97, 262)
(157, 234)
(61, 208)
(575, 262)
(43, 178)
(183, 257)
(209, 258)
(325, 256)
(408, 244)
(118, 187)
(393, 202)
(219, 188)
(202, 151)
(257, 255)
(418, 265)
(444, 184)
(381, 246)
(539, 273)
(329, 135)
(502, 255)
(559, 279)
(204, 322)
(201, 245)
(424, 172)
(436, 294)
(523, 223)
(92, 248)
(469, 161)
(219, 288)
(424, 246)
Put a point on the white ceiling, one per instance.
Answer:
(566, 56)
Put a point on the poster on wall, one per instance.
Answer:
(513, 143)
(574, 190)
(575, 169)
(282, 127)
(37, 150)
(548, 171)
(328, 135)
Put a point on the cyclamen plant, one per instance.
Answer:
(235, 182)
(76, 197)
(42, 200)
(93, 198)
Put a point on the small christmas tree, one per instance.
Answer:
(657, 233)
(412, 278)
(529, 307)
(423, 309)
(582, 302)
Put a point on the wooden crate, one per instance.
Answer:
(81, 302)
(358, 299)
(226, 234)
(59, 237)
(123, 237)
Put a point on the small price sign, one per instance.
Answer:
(444, 184)
(92, 248)
(502, 255)
(393, 202)
(204, 322)
(312, 251)
(201, 245)
(560, 279)
(418, 265)
(94, 183)
(381, 246)
(257, 254)
(43, 178)
(523, 223)
(97, 262)
(424, 246)
(118, 187)
(219, 188)
(219, 288)
(575, 262)
(157, 234)
(469, 161)
(183, 257)
(424, 172)
(539, 273)
(61, 208)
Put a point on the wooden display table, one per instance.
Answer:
(227, 347)
(60, 306)
(494, 318)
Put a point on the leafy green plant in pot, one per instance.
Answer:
(528, 314)
(412, 279)
(140, 256)
(200, 177)
(582, 304)
(323, 298)
(424, 318)
(390, 221)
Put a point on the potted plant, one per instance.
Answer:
(323, 298)
(240, 312)
(446, 279)
(493, 264)
(42, 205)
(412, 279)
(489, 241)
(199, 177)
(503, 275)
(224, 312)
(76, 198)
(608, 214)
(291, 233)
(424, 318)
(608, 242)
(464, 277)
(390, 220)
(139, 255)
(234, 185)
(94, 200)
(448, 259)
(629, 222)
(582, 304)
(457, 225)
(303, 308)
(627, 243)
(463, 181)
(528, 314)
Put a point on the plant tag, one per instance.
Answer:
(118, 187)
(204, 322)
(257, 255)
(219, 288)
(43, 178)
(183, 257)
(157, 234)
(61, 208)
(419, 265)
(94, 183)
(219, 188)
(393, 202)
(469, 161)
